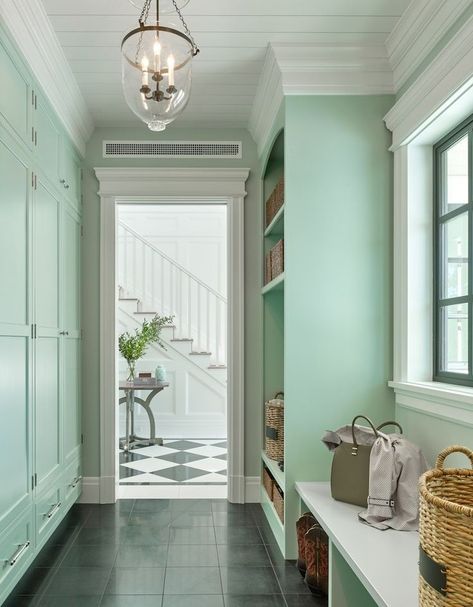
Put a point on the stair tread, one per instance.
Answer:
(128, 299)
(217, 367)
(182, 339)
(200, 353)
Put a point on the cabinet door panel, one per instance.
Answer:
(47, 413)
(71, 409)
(46, 259)
(14, 427)
(47, 142)
(14, 178)
(71, 274)
(70, 172)
(15, 99)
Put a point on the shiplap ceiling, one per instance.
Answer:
(232, 35)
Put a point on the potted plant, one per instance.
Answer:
(133, 346)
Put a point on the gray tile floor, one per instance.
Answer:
(163, 553)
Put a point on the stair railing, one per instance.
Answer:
(163, 285)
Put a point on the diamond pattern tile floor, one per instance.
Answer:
(189, 461)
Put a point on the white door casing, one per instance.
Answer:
(175, 186)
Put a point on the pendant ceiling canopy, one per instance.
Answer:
(157, 64)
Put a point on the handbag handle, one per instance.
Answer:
(453, 449)
(391, 423)
(279, 394)
(354, 449)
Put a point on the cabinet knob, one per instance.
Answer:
(62, 181)
(63, 332)
(67, 186)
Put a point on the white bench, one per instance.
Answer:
(368, 567)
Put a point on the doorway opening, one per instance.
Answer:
(172, 419)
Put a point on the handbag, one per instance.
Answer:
(349, 480)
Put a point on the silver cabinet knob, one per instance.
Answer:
(63, 332)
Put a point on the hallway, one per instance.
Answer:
(162, 553)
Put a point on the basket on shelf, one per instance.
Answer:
(275, 201)
(278, 501)
(268, 483)
(446, 534)
(274, 427)
(277, 259)
(267, 268)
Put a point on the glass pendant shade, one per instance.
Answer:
(157, 66)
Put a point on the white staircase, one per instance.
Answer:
(151, 282)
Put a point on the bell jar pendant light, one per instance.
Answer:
(157, 68)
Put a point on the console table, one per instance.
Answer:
(367, 567)
(131, 440)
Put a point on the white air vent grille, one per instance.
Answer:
(172, 149)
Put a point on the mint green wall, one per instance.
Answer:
(91, 270)
(338, 295)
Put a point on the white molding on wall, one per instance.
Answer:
(90, 490)
(415, 35)
(444, 81)
(316, 70)
(252, 490)
(174, 186)
(32, 31)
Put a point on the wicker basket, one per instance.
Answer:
(275, 201)
(267, 268)
(277, 259)
(278, 501)
(274, 425)
(446, 534)
(268, 483)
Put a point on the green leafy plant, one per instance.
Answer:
(133, 346)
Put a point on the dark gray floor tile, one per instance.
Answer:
(64, 534)
(143, 535)
(181, 457)
(305, 600)
(78, 581)
(248, 555)
(237, 518)
(153, 519)
(261, 580)
(70, 601)
(136, 581)
(276, 556)
(192, 519)
(142, 556)
(97, 537)
(183, 445)
(91, 556)
(201, 580)
(192, 535)
(191, 505)
(21, 601)
(51, 556)
(238, 535)
(110, 600)
(34, 581)
(161, 505)
(180, 473)
(107, 519)
(290, 580)
(193, 600)
(251, 600)
(192, 556)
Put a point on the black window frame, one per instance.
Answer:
(462, 379)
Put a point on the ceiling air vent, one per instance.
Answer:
(172, 149)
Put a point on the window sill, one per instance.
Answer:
(445, 394)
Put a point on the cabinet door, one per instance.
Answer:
(46, 270)
(70, 174)
(15, 99)
(70, 326)
(47, 141)
(15, 335)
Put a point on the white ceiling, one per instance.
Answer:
(232, 36)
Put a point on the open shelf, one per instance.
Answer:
(273, 519)
(273, 467)
(277, 284)
(277, 224)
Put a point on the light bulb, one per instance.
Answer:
(171, 64)
(144, 67)
(157, 56)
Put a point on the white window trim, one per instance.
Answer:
(174, 185)
(440, 99)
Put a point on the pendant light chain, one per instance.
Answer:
(145, 12)
(188, 32)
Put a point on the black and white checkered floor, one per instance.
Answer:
(187, 461)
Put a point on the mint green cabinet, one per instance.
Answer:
(17, 98)
(70, 174)
(47, 140)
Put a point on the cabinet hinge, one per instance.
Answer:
(32, 97)
(35, 137)
(32, 179)
(32, 481)
(35, 181)
(35, 101)
(81, 439)
(32, 134)
(32, 331)
(35, 479)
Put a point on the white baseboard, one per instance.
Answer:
(252, 489)
(90, 490)
(95, 490)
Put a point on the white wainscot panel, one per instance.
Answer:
(203, 399)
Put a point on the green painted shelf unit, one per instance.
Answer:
(40, 335)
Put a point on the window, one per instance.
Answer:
(453, 256)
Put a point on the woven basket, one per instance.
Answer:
(267, 268)
(277, 259)
(274, 424)
(268, 483)
(275, 201)
(278, 501)
(446, 534)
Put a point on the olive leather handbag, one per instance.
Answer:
(351, 467)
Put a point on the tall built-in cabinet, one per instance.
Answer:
(40, 429)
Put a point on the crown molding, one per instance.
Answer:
(420, 28)
(316, 70)
(445, 86)
(32, 31)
